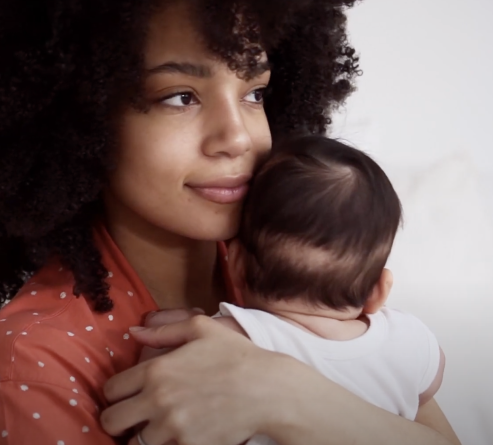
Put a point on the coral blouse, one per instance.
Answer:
(56, 353)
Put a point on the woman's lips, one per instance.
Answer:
(227, 190)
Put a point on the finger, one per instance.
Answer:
(176, 334)
(150, 435)
(168, 316)
(150, 353)
(126, 414)
(135, 441)
(125, 384)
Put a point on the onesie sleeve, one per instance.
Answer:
(249, 321)
(431, 358)
(45, 414)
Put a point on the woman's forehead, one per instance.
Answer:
(175, 44)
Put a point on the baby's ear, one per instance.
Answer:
(236, 264)
(380, 293)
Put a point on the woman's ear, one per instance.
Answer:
(236, 264)
(379, 293)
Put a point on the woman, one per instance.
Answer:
(128, 133)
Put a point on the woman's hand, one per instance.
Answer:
(161, 318)
(215, 389)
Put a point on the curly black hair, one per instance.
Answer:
(65, 64)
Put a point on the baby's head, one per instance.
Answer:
(318, 224)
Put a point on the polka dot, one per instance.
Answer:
(72, 379)
(63, 295)
(8, 333)
(89, 328)
(110, 274)
(87, 360)
(112, 353)
(111, 318)
(85, 429)
(4, 319)
(41, 364)
(35, 313)
(23, 333)
(4, 433)
(130, 293)
(226, 258)
(73, 402)
(36, 415)
(33, 292)
(70, 334)
(126, 336)
(24, 387)
(60, 442)
(12, 359)
(75, 390)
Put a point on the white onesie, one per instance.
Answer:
(390, 365)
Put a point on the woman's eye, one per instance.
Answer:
(256, 96)
(180, 100)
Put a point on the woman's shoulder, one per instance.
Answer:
(50, 336)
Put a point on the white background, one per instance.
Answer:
(424, 111)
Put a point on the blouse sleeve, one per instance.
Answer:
(45, 414)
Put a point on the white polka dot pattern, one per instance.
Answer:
(4, 433)
(85, 429)
(36, 416)
(24, 387)
(73, 402)
(63, 295)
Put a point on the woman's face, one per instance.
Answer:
(183, 166)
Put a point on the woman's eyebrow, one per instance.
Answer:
(189, 69)
(198, 70)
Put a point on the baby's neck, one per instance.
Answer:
(331, 324)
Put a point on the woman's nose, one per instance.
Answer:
(227, 132)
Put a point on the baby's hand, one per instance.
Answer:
(156, 319)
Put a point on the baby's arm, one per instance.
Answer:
(429, 414)
(426, 396)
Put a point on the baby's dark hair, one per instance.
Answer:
(319, 222)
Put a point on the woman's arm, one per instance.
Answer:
(347, 419)
(197, 394)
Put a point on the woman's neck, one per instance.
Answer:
(177, 271)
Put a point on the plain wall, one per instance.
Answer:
(424, 111)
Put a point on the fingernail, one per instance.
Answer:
(198, 309)
(136, 328)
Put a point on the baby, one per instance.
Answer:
(318, 227)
